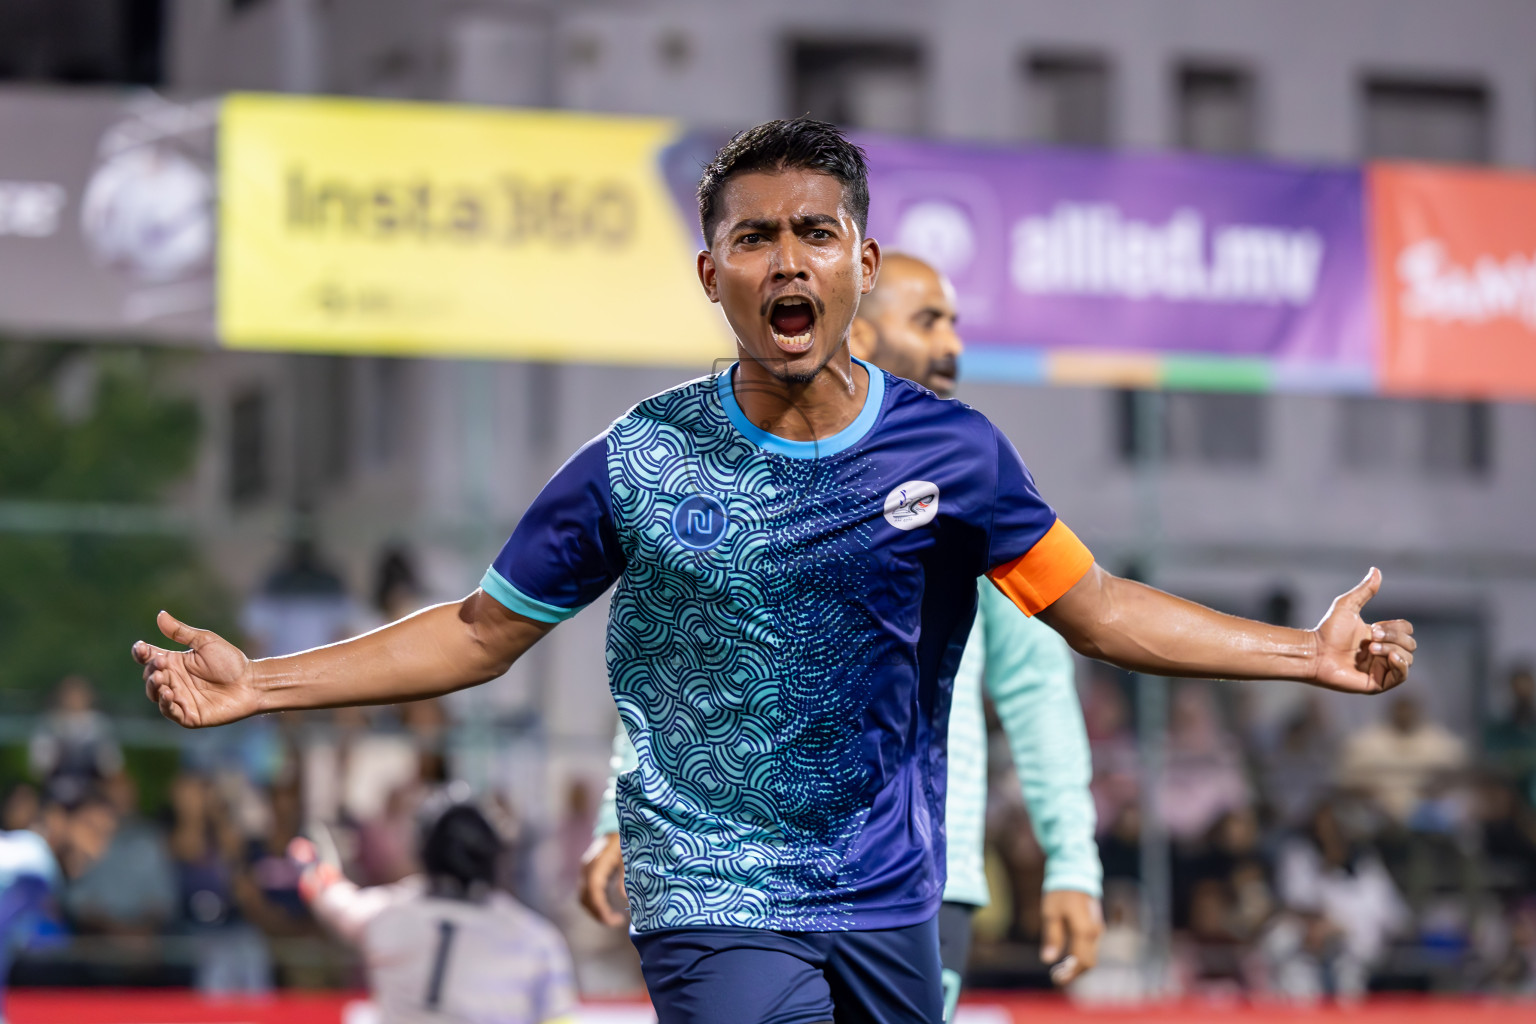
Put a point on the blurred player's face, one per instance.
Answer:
(911, 325)
(787, 265)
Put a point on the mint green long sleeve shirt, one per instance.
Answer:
(1027, 670)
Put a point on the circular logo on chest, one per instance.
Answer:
(698, 522)
(912, 504)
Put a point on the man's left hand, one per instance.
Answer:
(1070, 925)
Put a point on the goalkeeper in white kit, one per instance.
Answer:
(445, 946)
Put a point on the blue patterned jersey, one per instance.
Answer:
(782, 640)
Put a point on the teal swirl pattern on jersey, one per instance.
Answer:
(781, 642)
(747, 796)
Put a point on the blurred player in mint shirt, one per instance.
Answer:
(907, 327)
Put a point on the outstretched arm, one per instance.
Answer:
(439, 649)
(1143, 629)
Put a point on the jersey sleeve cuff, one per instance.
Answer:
(514, 600)
(1073, 880)
(1039, 576)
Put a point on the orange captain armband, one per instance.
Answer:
(1039, 576)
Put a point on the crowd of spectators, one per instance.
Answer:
(1303, 863)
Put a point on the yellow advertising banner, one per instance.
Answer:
(365, 227)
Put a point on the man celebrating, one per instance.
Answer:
(795, 543)
(907, 327)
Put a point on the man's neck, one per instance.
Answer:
(812, 410)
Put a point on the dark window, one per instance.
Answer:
(874, 86)
(1427, 120)
(1067, 99)
(118, 41)
(1411, 436)
(335, 448)
(1217, 109)
(387, 409)
(1193, 426)
(249, 474)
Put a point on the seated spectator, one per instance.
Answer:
(131, 890)
(266, 882)
(1399, 763)
(23, 807)
(1510, 740)
(1299, 769)
(1341, 907)
(73, 748)
(1222, 901)
(386, 844)
(1120, 847)
(61, 843)
(1203, 773)
(1116, 762)
(1507, 825)
(229, 955)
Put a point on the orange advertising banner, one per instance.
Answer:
(1455, 259)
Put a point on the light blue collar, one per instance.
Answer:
(840, 441)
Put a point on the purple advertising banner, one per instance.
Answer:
(1156, 255)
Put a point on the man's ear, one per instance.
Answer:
(869, 259)
(863, 340)
(706, 267)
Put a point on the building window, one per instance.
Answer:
(1426, 120)
(1067, 99)
(1410, 436)
(335, 416)
(249, 473)
(1217, 109)
(84, 41)
(873, 86)
(386, 410)
(1199, 427)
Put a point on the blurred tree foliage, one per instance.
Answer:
(91, 424)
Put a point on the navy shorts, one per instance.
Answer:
(755, 976)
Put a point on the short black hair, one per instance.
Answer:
(801, 143)
(463, 846)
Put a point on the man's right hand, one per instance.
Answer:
(211, 684)
(602, 861)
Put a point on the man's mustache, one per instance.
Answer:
(947, 366)
(814, 300)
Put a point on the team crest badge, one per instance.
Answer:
(698, 522)
(912, 504)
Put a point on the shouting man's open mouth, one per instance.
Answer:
(792, 319)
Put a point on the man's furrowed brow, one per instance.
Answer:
(815, 220)
(755, 224)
